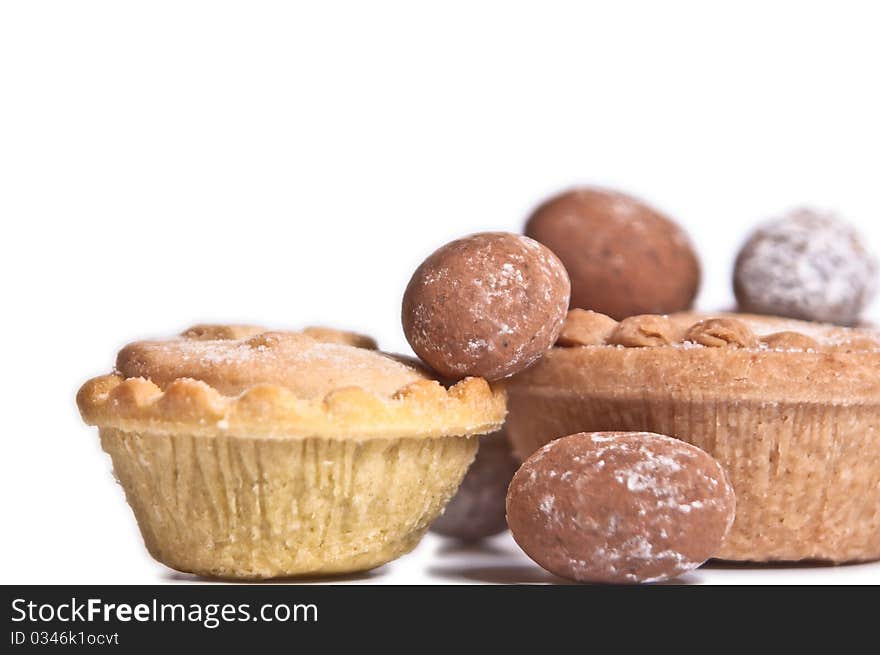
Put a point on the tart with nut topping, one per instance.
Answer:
(791, 409)
(254, 454)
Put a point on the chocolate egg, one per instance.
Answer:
(624, 258)
(806, 265)
(620, 507)
(486, 305)
(477, 510)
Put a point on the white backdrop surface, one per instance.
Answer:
(167, 163)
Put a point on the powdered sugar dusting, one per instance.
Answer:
(807, 265)
(309, 367)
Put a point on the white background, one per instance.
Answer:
(163, 163)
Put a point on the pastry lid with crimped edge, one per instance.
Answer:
(245, 381)
(722, 356)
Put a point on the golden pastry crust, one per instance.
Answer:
(789, 408)
(421, 409)
(250, 454)
(282, 384)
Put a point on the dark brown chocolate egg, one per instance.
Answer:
(477, 510)
(486, 305)
(624, 258)
(620, 507)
